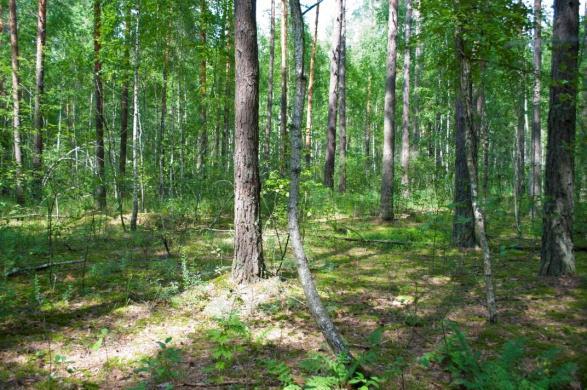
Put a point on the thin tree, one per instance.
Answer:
(536, 143)
(269, 124)
(342, 104)
(18, 187)
(161, 132)
(388, 165)
(124, 95)
(39, 88)
(308, 141)
(283, 100)
(100, 190)
(417, 21)
(203, 152)
(332, 99)
(135, 127)
(248, 265)
(557, 257)
(367, 136)
(405, 151)
(519, 160)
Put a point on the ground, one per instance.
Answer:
(131, 314)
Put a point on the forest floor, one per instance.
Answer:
(133, 315)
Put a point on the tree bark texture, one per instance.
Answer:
(135, 129)
(536, 154)
(405, 151)
(342, 104)
(37, 110)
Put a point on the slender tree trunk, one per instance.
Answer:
(248, 265)
(332, 99)
(519, 163)
(308, 143)
(405, 152)
(557, 257)
(18, 187)
(536, 155)
(100, 193)
(203, 152)
(124, 94)
(387, 162)
(135, 129)
(342, 103)
(37, 111)
(161, 133)
(417, 75)
(367, 139)
(317, 309)
(269, 124)
(471, 162)
(228, 91)
(283, 100)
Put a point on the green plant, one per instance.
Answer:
(226, 340)
(100, 341)
(165, 365)
(503, 372)
(282, 372)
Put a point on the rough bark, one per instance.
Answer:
(135, 129)
(317, 309)
(124, 95)
(248, 265)
(283, 100)
(557, 257)
(203, 139)
(37, 111)
(536, 154)
(332, 99)
(269, 124)
(100, 190)
(342, 147)
(405, 150)
(387, 162)
(308, 141)
(18, 186)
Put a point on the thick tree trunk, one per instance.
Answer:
(100, 191)
(317, 309)
(18, 186)
(557, 257)
(248, 265)
(269, 124)
(308, 142)
(471, 163)
(203, 149)
(536, 154)
(332, 99)
(135, 129)
(124, 95)
(342, 147)
(387, 162)
(37, 111)
(283, 100)
(405, 151)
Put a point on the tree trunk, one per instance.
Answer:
(248, 265)
(308, 143)
(283, 101)
(405, 152)
(317, 309)
(388, 164)
(203, 141)
(161, 133)
(417, 75)
(557, 257)
(367, 139)
(471, 162)
(269, 124)
(519, 162)
(18, 187)
(37, 111)
(135, 129)
(332, 99)
(228, 91)
(100, 192)
(342, 103)
(124, 107)
(536, 154)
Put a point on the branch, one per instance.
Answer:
(308, 9)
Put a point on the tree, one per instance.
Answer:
(100, 186)
(203, 140)
(332, 99)
(308, 143)
(557, 257)
(248, 265)
(39, 88)
(388, 164)
(268, 125)
(342, 103)
(135, 127)
(124, 94)
(405, 152)
(536, 143)
(283, 100)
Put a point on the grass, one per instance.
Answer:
(131, 288)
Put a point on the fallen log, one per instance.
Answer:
(368, 241)
(18, 271)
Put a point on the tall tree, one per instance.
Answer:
(135, 127)
(332, 99)
(39, 88)
(519, 158)
(557, 257)
(367, 137)
(248, 265)
(100, 188)
(161, 132)
(405, 152)
(283, 100)
(124, 95)
(417, 76)
(388, 164)
(18, 188)
(268, 125)
(308, 141)
(342, 103)
(203, 141)
(536, 150)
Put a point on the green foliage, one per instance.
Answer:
(100, 341)
(164, 366)
(227, 339)
(505, 371)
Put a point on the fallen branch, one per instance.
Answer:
(393, 242)
(18, 271)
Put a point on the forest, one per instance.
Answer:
(293, 194)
